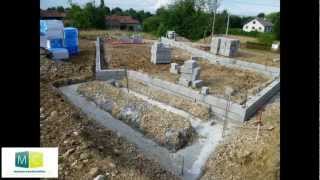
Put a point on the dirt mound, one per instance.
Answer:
(242, 157)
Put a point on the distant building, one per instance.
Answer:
(122, 23)
(50, 14)
(258, 24)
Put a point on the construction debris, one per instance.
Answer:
(160, 53)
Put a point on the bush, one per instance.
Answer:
(266, 38)
(258, 45)
(237, 31)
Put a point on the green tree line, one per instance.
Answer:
(188, 20)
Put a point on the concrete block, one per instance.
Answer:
(190, 64)
(174, 71)
(184, 82)
(196, 73)
(197, 83)
(204, 90)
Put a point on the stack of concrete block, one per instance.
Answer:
(160, 53)
(215, 45)
(204, 90)
(174, 68)
(190, 74)
(225, 46)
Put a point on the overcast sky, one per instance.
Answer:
(238, 7)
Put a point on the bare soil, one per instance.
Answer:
(241, 156)
(85, 148)
(137, 57)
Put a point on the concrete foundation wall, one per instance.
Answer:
(262, 97)
(105, 74)
(217, 105)
(225, 61)
(116, 74)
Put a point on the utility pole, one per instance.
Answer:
(215, 6)
(228, 24)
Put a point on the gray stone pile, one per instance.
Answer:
(160, 53)
(225, 46)
(190, 74)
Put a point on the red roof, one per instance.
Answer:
(123, 19)
(51, 13)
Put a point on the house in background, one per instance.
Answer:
(122, 23)
(258, 24)
(50, 14)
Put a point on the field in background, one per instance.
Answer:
(92, 34)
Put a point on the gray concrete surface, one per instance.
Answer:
(194, 156)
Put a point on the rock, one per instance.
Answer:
(74, 164)
(177, 138)
(41, 110)
(75, 133)
(111, 165)
(67, 153)
(100, 177)
(118, 84)
(93, 171)
(84, 156)
(53, 113)
(116, 151)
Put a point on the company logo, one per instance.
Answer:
(29, 162)
(29, 159)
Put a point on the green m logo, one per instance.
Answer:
(29, 159)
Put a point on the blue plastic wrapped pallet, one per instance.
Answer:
(55, 43)
(71, 41)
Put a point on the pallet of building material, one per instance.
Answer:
(59, 53)
(229, 47)
(215, 44)
(160, 53)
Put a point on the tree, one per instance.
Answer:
(261, 15)
(51, 8)
(102, 4)
(60, 9)
(116, 11)
(87, 17)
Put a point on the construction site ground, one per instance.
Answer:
(148, 119)
(216, 77)
(86, 149)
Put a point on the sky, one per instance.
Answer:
(237, 7)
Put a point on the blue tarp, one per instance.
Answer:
(56, 43)
(43, 27)
(71, 41)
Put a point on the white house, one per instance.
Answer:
(258, 24)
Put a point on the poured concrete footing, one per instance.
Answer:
(186, 163)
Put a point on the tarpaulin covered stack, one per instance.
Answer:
(71, 41)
